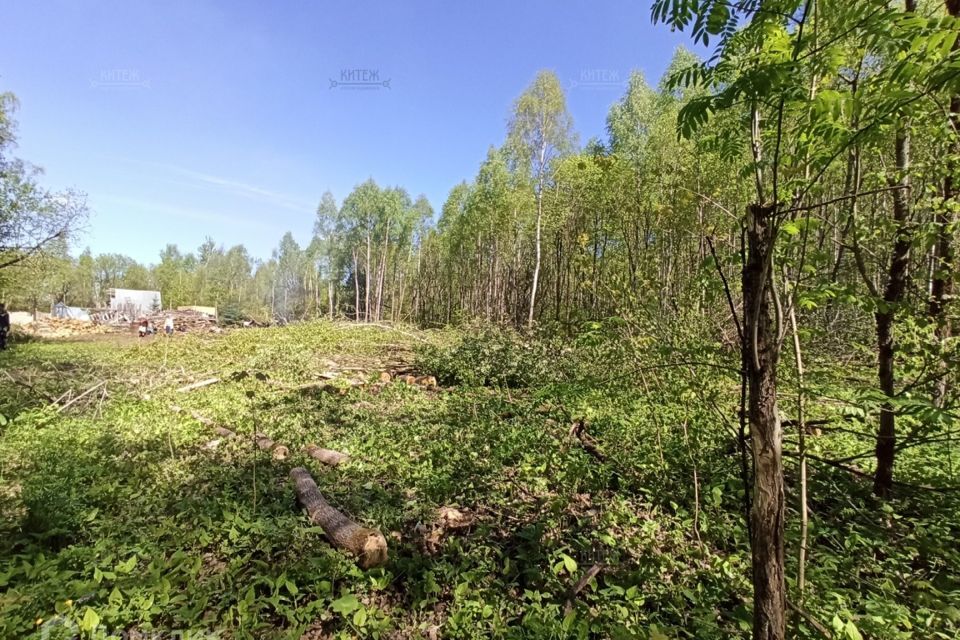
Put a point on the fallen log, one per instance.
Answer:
(368, 545)
(198, 385)
(326, 456)
(263, 441)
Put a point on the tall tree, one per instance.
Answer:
(540, 130)
(31, 217)
(325, 237)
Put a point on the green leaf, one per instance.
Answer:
(360, 617)
(851, 631)
(346, 604)
(90, 620)
(126, 566)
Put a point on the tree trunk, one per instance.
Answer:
(381, 273)
(885, 316)
(802, 451)
(330, 296)
(761, 349)
(536, 264)
(356, 287)
(368, 545)
(366, 283)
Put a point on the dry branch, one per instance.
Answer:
(198, 385)
(579, 430)
(368, 545)
(326, 456)
(83, 395)
(591, 573)
(813, 622)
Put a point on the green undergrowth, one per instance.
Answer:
(122, 514)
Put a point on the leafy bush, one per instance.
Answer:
(488, 356)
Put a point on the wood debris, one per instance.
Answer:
(185, 321)
(198, 385)
(52, 327)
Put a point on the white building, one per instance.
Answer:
(133, 302)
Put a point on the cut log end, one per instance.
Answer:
(374, 551)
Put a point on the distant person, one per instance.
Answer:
(4, 326)
(143, 328)
(168, 325)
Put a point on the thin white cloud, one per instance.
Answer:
(197, 179)
(247, 190)
(183, 213)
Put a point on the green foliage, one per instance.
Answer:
(117, 515)
(488, 356)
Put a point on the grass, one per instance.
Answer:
(119, 516)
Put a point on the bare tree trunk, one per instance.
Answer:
(330, 295)
(802, 451)
(886, 314)
(536, 264)
(558, 281)
(761, 348)
(356, 286)
(366, 273)
(381, 273)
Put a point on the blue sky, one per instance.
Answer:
(188, 119)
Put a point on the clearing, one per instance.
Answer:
(543, 489)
